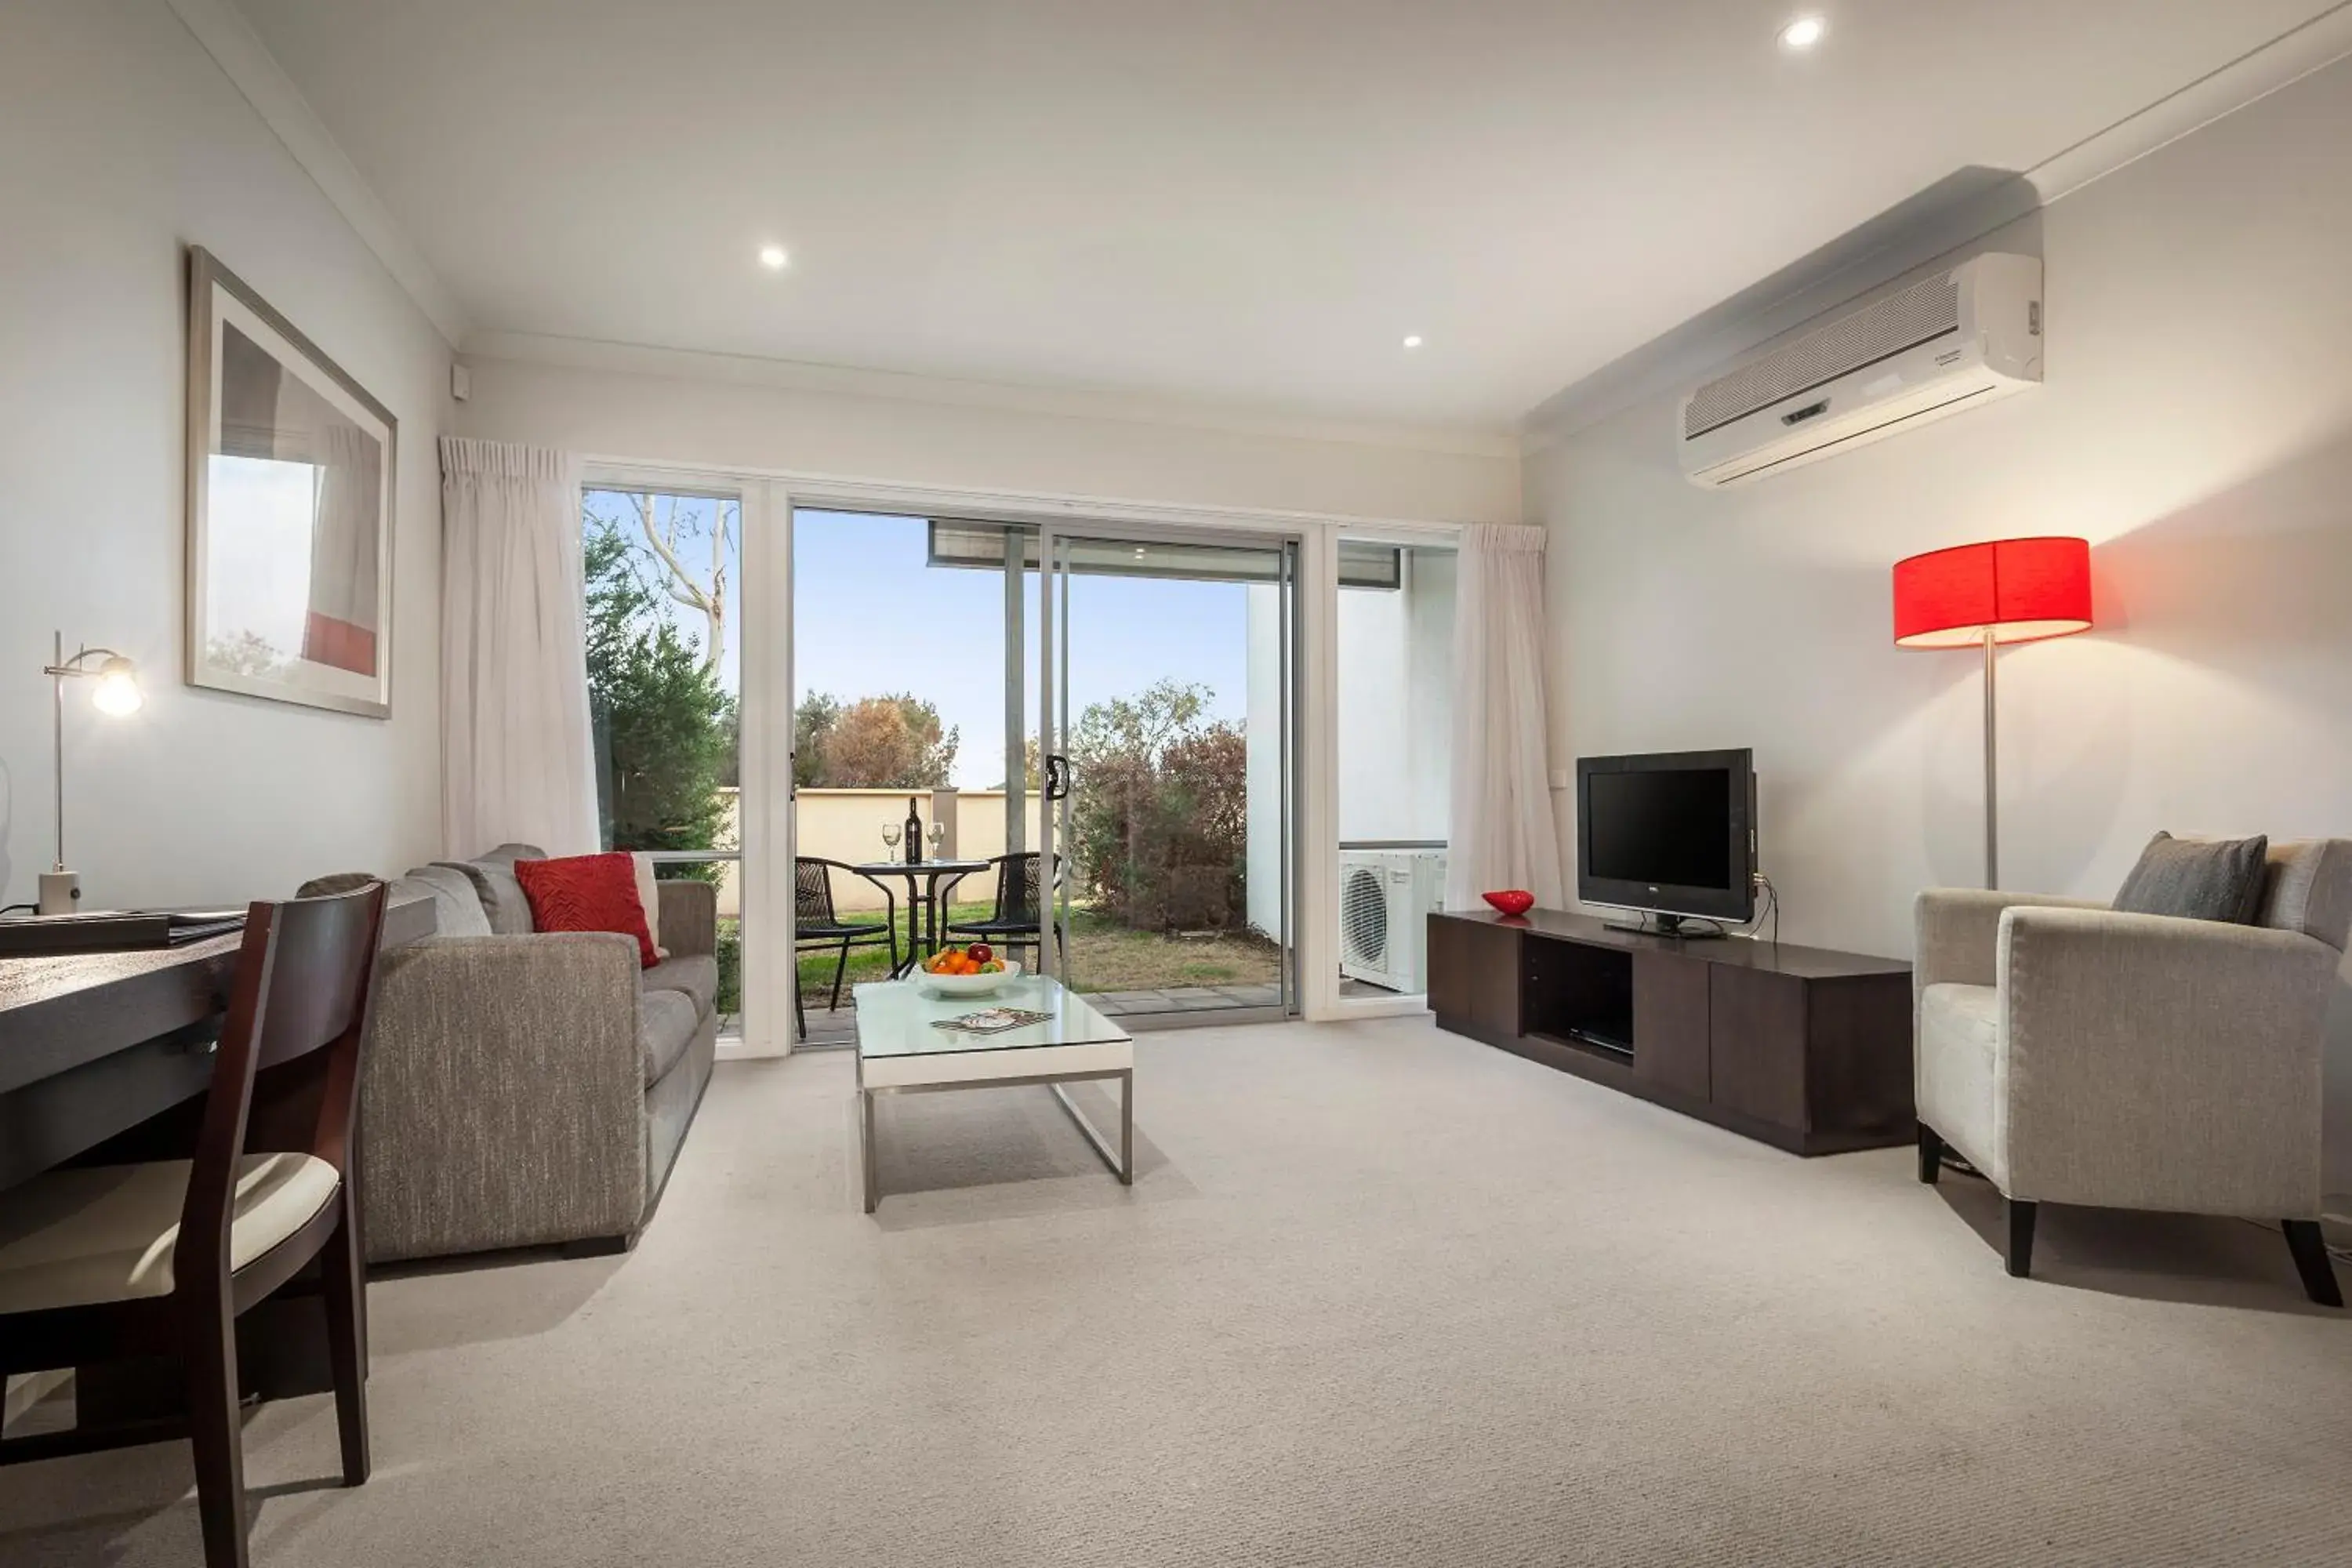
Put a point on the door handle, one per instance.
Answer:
(1058, 777)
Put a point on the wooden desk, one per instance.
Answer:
(92, 1045)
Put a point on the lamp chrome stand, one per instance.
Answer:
(60, 889)
(117, 693)
(1992, 790)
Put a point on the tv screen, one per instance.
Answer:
(1664, 826)
(1671, 832)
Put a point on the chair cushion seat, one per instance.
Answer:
(1959, 1041)
(665, 1024)
(694, 978)
(105, 1233)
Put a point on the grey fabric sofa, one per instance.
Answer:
(2075, 1055)
(521, 1087)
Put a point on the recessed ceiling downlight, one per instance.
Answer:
(773, 258)
(1802, 34)
(1413, 341)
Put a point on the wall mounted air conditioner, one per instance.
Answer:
(1385, 898)
(1949, 342)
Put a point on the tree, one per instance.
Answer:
(678, 531)
(1159, 825)
(1033, 775)
(812, 722)
(892, 742)
(663, 725)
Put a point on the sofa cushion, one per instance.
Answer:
(665, 1024)
(696, 979)
(1960, 1043)
(456, 907)
(500, 894)
(587, 893)
(2307, 887)
(2198, 880)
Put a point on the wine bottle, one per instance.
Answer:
(914, 833)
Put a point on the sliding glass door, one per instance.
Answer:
(1167, 668)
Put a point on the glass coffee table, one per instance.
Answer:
(903, 1049)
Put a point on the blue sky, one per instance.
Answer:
(872, 617)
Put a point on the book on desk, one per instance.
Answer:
(112, 931)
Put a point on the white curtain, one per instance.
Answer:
(1502, 833)
(517, 757)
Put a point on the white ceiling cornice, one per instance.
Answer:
(749, 370)
(1941, 222)
(231, 41)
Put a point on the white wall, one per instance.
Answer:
(2196, 426)
(1395, 694)
(748, 424)
(124, 143)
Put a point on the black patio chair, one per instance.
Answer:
(1014, 921)
(817, 927)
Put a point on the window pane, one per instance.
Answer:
(1395, 692)
(665, 686)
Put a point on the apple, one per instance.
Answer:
(980, 952)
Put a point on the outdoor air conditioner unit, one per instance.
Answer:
(1948, 342)
(1385, 898)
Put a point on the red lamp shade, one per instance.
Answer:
(2019, 589)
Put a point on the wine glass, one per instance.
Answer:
(939, 836)
(891, 831)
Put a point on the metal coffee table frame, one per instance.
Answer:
(1122, 1164)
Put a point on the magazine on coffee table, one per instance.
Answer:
(992, 1021)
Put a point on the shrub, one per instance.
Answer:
(1159, 822)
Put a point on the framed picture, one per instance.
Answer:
(290, 468)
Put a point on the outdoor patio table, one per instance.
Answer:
(922, 891)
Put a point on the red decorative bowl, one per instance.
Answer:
(1511, 900)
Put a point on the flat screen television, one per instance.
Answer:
(1672, 833)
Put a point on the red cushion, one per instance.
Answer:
(587, 892)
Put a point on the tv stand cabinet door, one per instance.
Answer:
(1474, 977)
(1671, 1044)
(1757, 1025)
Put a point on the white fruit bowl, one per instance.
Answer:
(966, 984)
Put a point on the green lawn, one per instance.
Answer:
(1104, 956)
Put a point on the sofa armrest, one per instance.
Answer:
(502, 1094)
(1958, 928)
(2153, 1062)
(690, 917)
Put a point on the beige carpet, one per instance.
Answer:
(1380, 1296)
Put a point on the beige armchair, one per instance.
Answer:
(2075, 1055)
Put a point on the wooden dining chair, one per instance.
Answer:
(112, 1262)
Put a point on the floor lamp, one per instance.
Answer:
(2003, 591)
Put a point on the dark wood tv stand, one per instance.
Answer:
(1800, 1047)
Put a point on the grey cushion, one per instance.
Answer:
(2198, 880)
(328, 886)
(696, 979)
(456, 907)
(665, 1024)
(2307, 887)
(500, 894)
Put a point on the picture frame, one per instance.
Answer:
(291, 466)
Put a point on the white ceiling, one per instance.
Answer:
(1249, 201)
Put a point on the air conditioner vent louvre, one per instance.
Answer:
(1902, 320)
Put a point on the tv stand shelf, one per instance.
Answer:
(1802, 1047)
